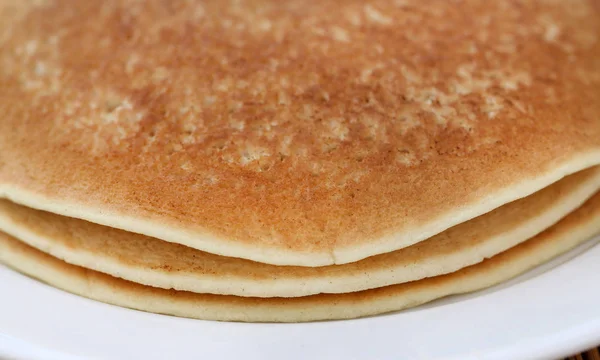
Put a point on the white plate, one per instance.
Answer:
(543, 314)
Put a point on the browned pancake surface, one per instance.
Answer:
(292, 132)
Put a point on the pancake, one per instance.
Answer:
(161, 264)
(571, 231)
(305, 133)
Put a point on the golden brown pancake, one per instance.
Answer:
(293, 132)
(571, 231)
(161, 264)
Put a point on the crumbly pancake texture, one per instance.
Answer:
(157, 263)
(576, 228)
(293, 132)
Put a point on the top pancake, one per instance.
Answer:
(293, 132)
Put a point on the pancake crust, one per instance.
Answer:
(152, 262)
(293, 132)
(571, 231)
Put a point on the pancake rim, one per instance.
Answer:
(575, 229)
(228, 248)
(541, 210)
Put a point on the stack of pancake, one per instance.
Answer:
(288, 161)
